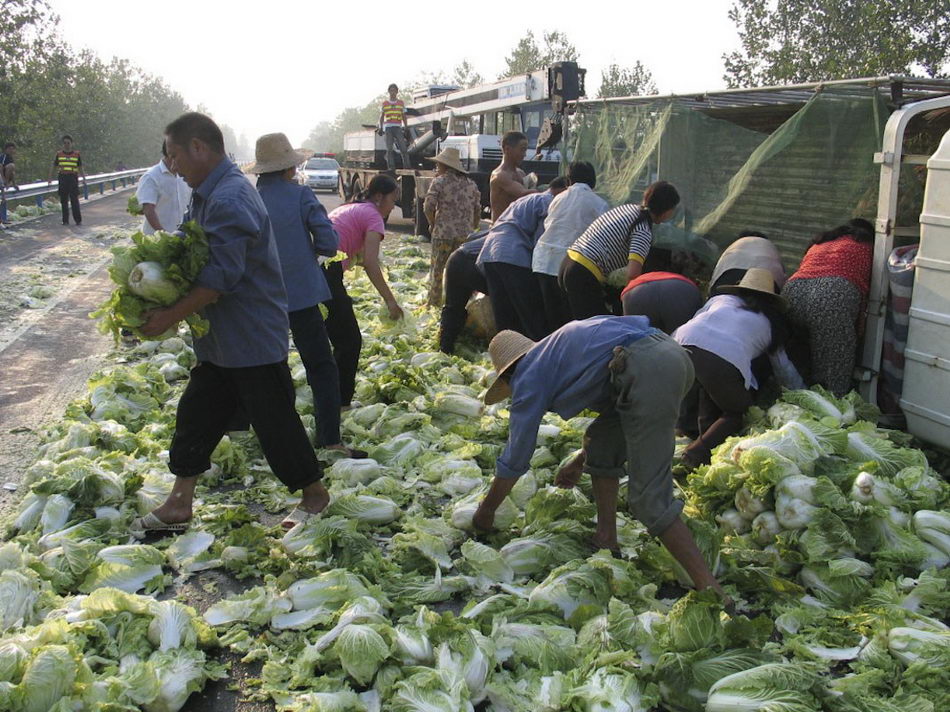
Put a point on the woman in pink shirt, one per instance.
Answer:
(360, 226)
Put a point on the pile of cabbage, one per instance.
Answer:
(831, 535)
(154, 271)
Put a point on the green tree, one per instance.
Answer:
(527, 55)
(794, 41)
(626, 81)
(465, 75)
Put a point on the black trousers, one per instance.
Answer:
(69, 195)
(515, 299)
(313, 345)
(461, 279)
(344, 332)
(586, 296)
(265, 394)
(557, 310)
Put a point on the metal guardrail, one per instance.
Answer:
(119, 179)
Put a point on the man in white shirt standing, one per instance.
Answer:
(164, 197)
(569, 215)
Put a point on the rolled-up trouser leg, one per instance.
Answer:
(649, 379)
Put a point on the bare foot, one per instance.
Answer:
(569, 475)
(171, 514)
(315, 498)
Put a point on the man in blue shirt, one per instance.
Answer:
(505, 260)
(635, 376)
(242, 361)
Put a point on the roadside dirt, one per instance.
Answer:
(51, 277)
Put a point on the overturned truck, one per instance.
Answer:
(790, 162)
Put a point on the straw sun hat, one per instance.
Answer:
(757, 279)
(273, 152)
(449, 157)
(506, 349)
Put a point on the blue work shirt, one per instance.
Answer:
(249, 325)
(512, 237)
(565, 372)
(303, 231)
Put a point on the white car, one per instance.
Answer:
(322, 173)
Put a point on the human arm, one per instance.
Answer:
(374, 271)
(325, 240)
(151, 216)
(785, 372)
(506, 183)
(634, 270)
(431, 203)
(158, 321)
(640, 239)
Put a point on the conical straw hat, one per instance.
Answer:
(506, 349)
(756, 279)
(451, 158)
(273, 152)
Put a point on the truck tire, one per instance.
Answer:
(422, 224)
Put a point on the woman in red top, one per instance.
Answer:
(663, 293)
(826, 299)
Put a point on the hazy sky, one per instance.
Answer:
(286, 65)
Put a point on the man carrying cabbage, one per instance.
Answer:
(242, 360)
(635, 376)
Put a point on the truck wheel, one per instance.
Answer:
(422, 224)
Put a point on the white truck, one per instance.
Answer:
(472, 120)
(918, 115)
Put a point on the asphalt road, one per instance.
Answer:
(49, 349)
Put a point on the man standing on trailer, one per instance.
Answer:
(392, 125)
(507, 182)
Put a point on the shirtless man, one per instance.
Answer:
(507, 181)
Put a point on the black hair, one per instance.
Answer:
(858, 228)
(559, 183)
(659, 259)
(753, 233)
(512, 138)
(380, 185)
(8, 144)
(66, 136)
(582, 172)
(195, 126)
(275, 174)
(392, 86)
(660, 197)
(772, 310)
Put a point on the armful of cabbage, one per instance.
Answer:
(154, 271)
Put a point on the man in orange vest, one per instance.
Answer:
(68, 165)
(393, 125)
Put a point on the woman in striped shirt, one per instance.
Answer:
(621, 237)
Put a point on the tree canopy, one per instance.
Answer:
(795, 41)
(527, 55)
(626, 81)
(114, 111)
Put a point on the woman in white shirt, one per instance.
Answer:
(726, 335)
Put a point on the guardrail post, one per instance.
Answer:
(85, 190)
(39, 201)
(102, 188)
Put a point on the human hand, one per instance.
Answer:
(158, 321)
(395, 311)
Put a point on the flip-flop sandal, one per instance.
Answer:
(298, 516)
(141, 526)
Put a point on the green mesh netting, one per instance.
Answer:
(814, 172)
